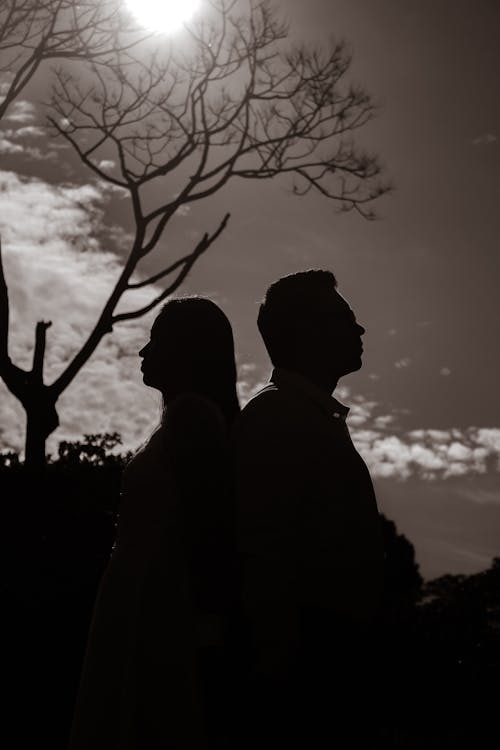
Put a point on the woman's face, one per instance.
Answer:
(164, 359)
(154, 359)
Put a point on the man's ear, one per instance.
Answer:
(307, 330)
(301, 333)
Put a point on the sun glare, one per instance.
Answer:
(163, 15)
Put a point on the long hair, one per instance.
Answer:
(204, 350)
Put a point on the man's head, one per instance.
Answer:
(308, 327)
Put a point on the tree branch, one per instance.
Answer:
(242, 101)
(39, 352)
(85, 30)
(162, 274)
(188, 263)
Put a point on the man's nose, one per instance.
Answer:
(142, 353)
(361, 330)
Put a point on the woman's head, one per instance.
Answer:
(191, 350)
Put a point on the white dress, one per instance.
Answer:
(138, 688)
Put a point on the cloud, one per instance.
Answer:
(428, 454)
(28, 131)
(106, 164)
(489, 437)
(403, 363)
(484, 496)
(13, 141)
(57, 270)
(485, 139)
(39, 155)
(361, 412)
(21, 111)
(19, 140)
(5, 84)
(7, 147)
(250, 380)
(445, 372)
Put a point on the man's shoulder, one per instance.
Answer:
(270, 400)
(269, 414)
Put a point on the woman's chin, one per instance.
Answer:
(150, 383)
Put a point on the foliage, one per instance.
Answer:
(403, 581)
(93, 450)
(9, 460)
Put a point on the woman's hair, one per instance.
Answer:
(201, 339)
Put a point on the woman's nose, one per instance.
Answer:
(142, 353)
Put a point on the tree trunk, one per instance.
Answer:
(34, 453)
(38, 399)
(41, 421)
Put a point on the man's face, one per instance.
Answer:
(336, 336)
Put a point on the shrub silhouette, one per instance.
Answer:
(402, 578)
(93, 450)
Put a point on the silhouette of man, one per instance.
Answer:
(309, 535)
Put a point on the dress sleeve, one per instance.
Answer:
(197, 448)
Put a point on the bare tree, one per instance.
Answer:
(35, 31)
(240, 102)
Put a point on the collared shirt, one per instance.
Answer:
(305, 388)
(309, 529)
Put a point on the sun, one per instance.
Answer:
(163, 15)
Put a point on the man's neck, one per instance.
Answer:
(325, 383)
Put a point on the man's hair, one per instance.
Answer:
(289, 301)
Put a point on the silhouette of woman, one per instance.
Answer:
(158, 622)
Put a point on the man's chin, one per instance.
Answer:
(354, 365)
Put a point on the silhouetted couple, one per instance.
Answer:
(235, 610)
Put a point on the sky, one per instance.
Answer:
(422, 278)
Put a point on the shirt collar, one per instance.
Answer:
(298, 383)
